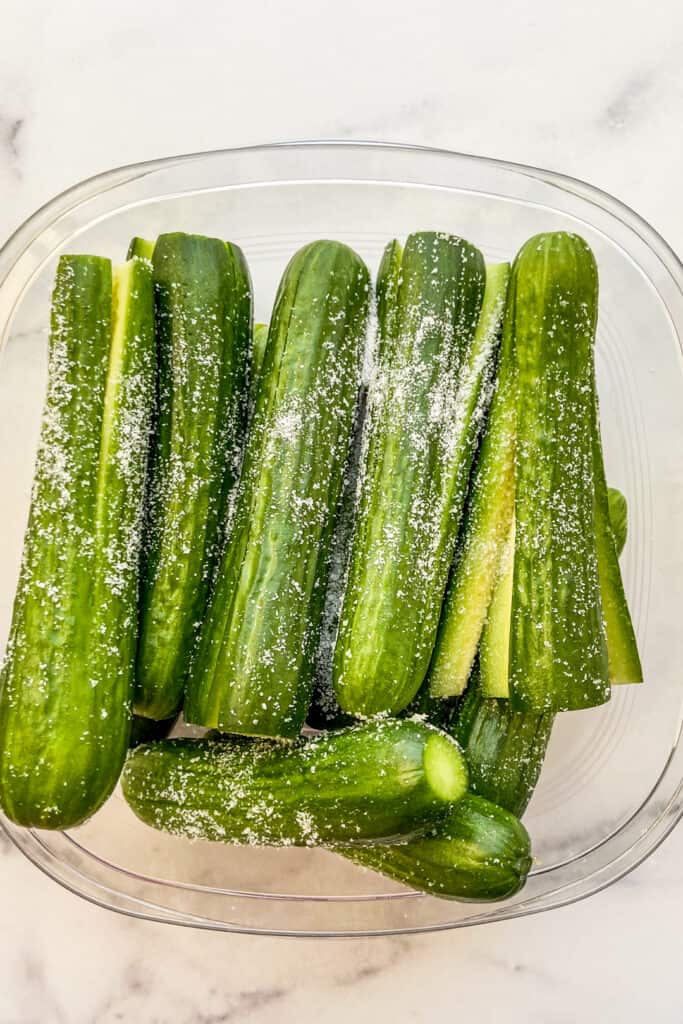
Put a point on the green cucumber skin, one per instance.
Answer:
(253, 669)
(438, 711)
(479, 853)
(203, 318)
(618, 518)
(68, 673)
(558, 653)
(142, 248)
(259, 351)
(361, 784)
(490, 508)
(387, 295)
(622, 648)
(504, 748)
(325, 712)
(420, 440)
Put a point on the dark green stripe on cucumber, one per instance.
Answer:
(374, 781)
(68, 673)
(203, 320)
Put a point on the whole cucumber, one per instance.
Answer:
(203, 318)
(374, 781)
(558, 652)
(253, 668)
(479, 853)
(425, 409)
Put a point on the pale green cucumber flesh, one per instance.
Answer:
(494, 652)
(618, 517)
(486, 524)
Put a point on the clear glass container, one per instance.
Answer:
(611, 787)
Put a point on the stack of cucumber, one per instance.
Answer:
(400, 541)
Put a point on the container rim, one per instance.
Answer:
(32, 843)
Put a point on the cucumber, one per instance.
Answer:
(203, 319)
(618, 517)
(67, 678)
(438, 711)
(374, 781)
(425, 407)
(495, 640)
(147, 730)
(141, 247)
(572, 287)
(325, 712)
(622, 649)
(486, 523)
(259, 351)
(387, 306)
(504, 748)
(479, 853)
(558, 652)
(252, 672)
(494, 650)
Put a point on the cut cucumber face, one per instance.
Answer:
(494, 652)
(618, 517)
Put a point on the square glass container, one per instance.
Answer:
(611, 788)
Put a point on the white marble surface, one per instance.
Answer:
(595, 90)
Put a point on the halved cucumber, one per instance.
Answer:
(67, 679)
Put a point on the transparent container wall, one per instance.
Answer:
(610, 789)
